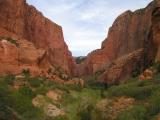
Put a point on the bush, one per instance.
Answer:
(154, 106)
(5, 98)
(26, 91)
(100, 115)
(137, 112)
(9, 79)
(137, 90)
(61, 118)
(85, 109)
(68, 98)
(35, 82)
(23, 105)
(26, 73)
(79, 60)
(156, 66)
(9, 39)
(42, 90)
(86, 112)
(7, 114)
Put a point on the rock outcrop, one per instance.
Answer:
(18, 54)
(26, 22)
(148, 74)
(123, 66)
(156, 28)
(133, 42)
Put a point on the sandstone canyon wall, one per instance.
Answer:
(19, 18)
(130, 45)
(128, 33)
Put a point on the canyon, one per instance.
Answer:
(132, 43)
(41, 80)
(26, 22)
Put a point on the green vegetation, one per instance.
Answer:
(137, 90)
(9, 79)
(9, 39)
(137, 112)
(80, 103)
(79, 60)
(35, 82)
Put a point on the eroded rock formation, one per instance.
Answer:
(26, 22)
(132, 42)
(130, 32)
(18, 54)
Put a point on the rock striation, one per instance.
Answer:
(128, 33)
(26, 22)
(123, 66)
(29, 40)
(18, 54)
(119, 56)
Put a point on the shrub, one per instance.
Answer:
(85, 109)
(85, 113)
(9, 39)
(5, 98)
(23, 105)
(35, 81)
(26, 73)
(100, 115)
(7, 114)
(61, 118)
(156, 66)
(154, 106)
(68, 98)
(9, 79)
(137, 90)
(42, 90)
(26, 91)
(79, 60)
(137, 112)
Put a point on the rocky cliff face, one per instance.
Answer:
(18, 54)
(156, 28)
(132, 42)
(130, 32)
(28, 23)
(123, 67)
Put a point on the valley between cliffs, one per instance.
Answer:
(41, 80)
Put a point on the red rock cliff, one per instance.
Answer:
(128, 33)
(18, 17)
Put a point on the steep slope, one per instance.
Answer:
(18, 54)
(156, 29)
(128, 33)
(25, 21)
(118, 57)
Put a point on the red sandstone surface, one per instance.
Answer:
(133, 41)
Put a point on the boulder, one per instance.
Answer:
(55, 95)
(148, 74)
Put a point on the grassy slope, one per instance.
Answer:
(78, 101)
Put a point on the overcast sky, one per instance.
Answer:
(85, 23)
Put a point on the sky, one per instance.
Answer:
(85, 23)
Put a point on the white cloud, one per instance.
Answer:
(85, 22)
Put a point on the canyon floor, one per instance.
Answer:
(34, 98)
